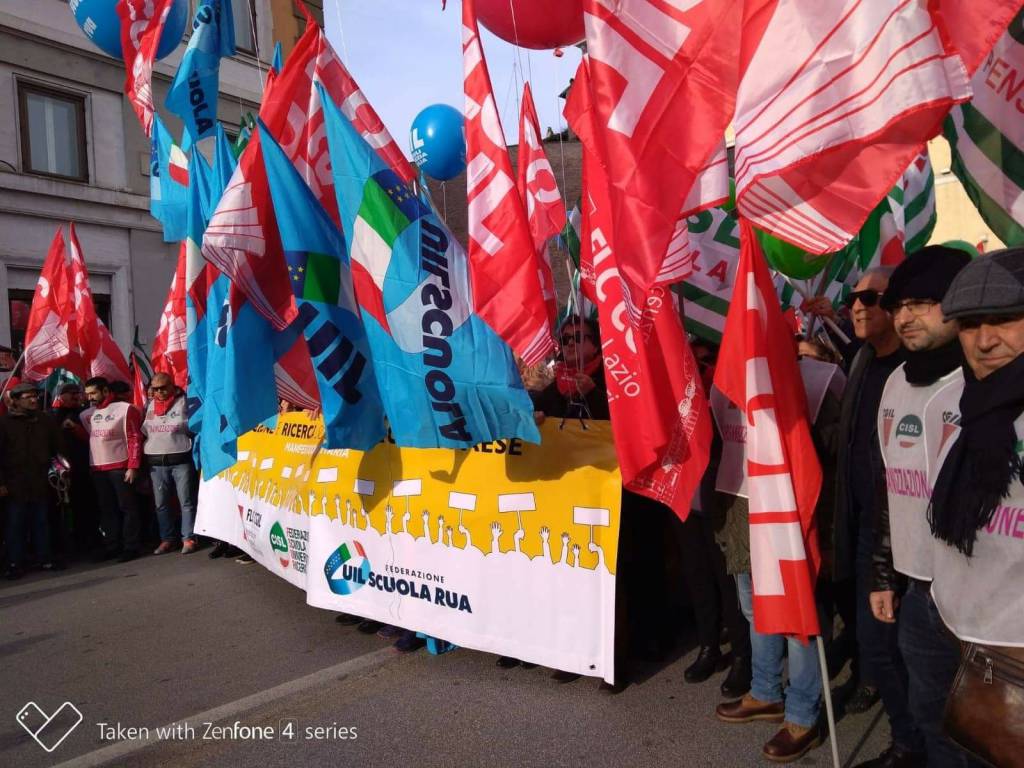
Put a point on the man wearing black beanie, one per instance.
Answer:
(912, 419)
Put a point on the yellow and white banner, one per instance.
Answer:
(508, 548)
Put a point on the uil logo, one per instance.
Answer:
(347, 569)
(909, 431)
(279, 543)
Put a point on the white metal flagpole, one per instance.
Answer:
(827, 693)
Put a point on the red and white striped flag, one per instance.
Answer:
(545, 209)
(97, 347)
(50, 335)
(757, 371)
(142, 24)
(170, 345)
(659, 413)
(836, 99)
(504, 266)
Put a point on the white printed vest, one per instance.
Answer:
(909, 428)
(108, 437)
(167, 434)
(981, 598)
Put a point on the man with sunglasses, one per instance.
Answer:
(29, 440)
(858, 468)
(168, 450)
(914, 409)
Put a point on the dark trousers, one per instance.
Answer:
(932, 655)
(119, 510)
(881, 662)
(712, 591)
(23, 516)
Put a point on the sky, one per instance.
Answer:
(407, 55)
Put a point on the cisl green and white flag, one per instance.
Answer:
(987, 137)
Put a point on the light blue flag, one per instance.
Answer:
(446, 379)
(168, 183)
(193, 94)
(278, 60)
(224, 162)
(322, 284)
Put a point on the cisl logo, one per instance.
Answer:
(347, 569)
(279, 543)
(909, 431)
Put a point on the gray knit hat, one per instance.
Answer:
(23, 387)
(992, 284)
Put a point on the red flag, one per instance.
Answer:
(170, 350)
(757, 371)
(50, 341)
(142, 24)
(504, 266)
(663, 85)
(835, 100)
(659, 413)
(545, 210)
(95, 343)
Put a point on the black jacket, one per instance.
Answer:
(554, 404)
(28, 441)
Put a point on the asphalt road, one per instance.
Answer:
(179, 639)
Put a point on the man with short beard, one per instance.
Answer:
(913, 409)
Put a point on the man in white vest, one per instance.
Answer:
(168, 450)
(977, 511)
(912, 407)
(115, 455)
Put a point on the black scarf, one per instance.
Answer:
(928, 366)
(983, 461)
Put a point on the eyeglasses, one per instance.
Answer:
(916, 307)
(868, 297)
(575, 338)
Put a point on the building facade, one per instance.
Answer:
(72, 149)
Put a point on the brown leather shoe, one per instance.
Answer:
(791, 743)
(749, 709)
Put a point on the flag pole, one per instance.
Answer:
(828, 321)
(7, 381)
(827, 692)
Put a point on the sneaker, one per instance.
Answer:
(861, 700)
(244, 559)
(220, 549)
(389, 632)
(348, 620)
(164, 548)
(409, 642)
(369, 626)
(189, 546)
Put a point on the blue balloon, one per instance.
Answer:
(101, 24)
(438, 142)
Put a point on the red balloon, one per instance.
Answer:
(539, 24)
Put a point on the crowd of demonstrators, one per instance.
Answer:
(80, 479)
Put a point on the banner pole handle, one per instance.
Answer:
(7, 381)
(827, 693)
(835, 328)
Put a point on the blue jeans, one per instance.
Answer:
(180, 478)
(932, 655)
(803, 694)
(20, 516)
(880, 659)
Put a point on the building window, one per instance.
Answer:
(244, 14)
(52, 132)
